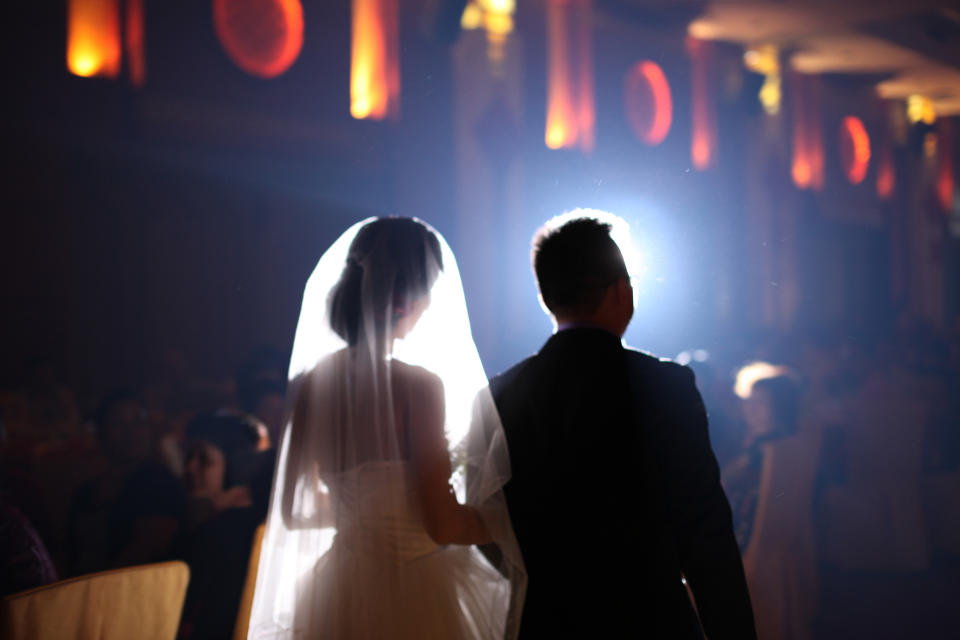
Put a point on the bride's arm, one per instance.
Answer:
(294, 468)
(294, 448)
(446, 520)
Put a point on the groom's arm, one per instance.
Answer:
(700, 514)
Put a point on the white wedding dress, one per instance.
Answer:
(383, 576)
(345, 553)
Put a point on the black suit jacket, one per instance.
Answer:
(615, 493)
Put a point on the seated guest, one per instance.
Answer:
(265, 399)
(131, 513)
(227, 474)
(54, 419)
(24, 561)
(770, 409)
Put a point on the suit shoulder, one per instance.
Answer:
(662, 369)
(501, 381)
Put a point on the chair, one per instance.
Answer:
(246, 600)
(141, 602)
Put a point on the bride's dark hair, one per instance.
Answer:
(401, 259)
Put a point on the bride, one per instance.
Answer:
(392, 463)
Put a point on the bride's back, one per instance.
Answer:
(353, 412)
(365, 537)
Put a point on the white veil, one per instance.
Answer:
(348, 390)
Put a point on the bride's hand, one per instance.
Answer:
(445, 519)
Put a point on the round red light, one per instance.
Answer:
(648, 103)
(854, 149)
(262, 37)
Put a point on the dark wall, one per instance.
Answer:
(187, 215)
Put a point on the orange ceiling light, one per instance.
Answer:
(886, 176)
(703, 140)
(134, 40)
(854, 149)
(945, 181)
(495, 17)
(93, 38)
(374, 60)
(886, 173)
(570, 106)
(920, 109)
(648, 102)
(765, 60)
(262, 37)
(807, 155)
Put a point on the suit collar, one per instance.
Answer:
(583, 335)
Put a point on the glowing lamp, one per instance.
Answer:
(374, 60)
(262, 37)
(649, 105)
(807, 154)
(945, 181)
(854, 149)
(700, 152)
(802, 173)
(496, 18)
(703, 30)
(558, 137)
(472, 17)
(570, 105)
(886, 176)
(765, 60)
(920, 109)
(93, 38)
(134, 37)
(499, 6)
(930, 145)
(704, 126)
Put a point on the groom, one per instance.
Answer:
(615, 494)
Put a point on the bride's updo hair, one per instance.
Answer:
(393, 261)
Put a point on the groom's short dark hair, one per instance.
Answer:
(575, 262)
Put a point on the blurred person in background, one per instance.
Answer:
(227, 477)
(771, 485)
(769, 410)
(131, 512)
(24, 560)
(223, 459)
(265, 398)
(45, 453)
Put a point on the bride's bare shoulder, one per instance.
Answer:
(316, 379)
(330, 364)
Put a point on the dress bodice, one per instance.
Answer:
(377, 512)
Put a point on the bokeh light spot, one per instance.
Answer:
(262, 37)
(648, 102)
